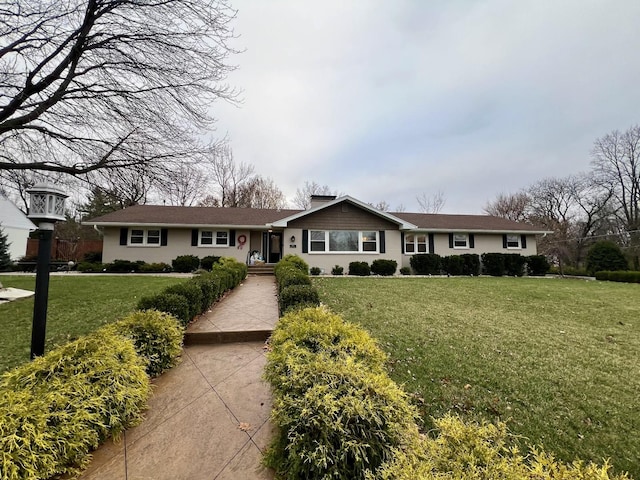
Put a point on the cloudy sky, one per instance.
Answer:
(388, 100)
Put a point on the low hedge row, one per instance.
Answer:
(181, 264)
(339, 416)
(619, 276)
(189, 299)
(295, 290)
(58, 408)
(495, 264)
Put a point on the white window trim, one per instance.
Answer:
(145, 237)
(360, 251)
(466, 245)
(519, 247)
(415, 243)
(214, 238)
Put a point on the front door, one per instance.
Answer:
(274, 247)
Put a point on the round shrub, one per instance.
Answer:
(493, 264)
(192, 292)
(292, 260)
(291, 276)
(453, 265)
(605, 255)
(315, 271)
(360, 269)
(337, 270)
(405, 271)
(185, 263)
(207, 262)
(514, 264)
(157, 337)
(170, 303)
(298, 296)
(384, 267)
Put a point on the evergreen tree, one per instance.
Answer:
(5, 258)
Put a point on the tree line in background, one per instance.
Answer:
(601, 204)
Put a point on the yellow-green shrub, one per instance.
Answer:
(470, 451)
(59, 407)
(157, 337)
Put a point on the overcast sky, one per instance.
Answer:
(386, 100)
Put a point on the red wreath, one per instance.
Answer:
(242, 239)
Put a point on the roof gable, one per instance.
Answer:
(12, 217)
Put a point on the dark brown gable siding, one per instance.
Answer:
(338, 218)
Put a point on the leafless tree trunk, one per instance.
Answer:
(431, 204)
(87, 85)
(228, 176)
(259, 192)
(302, 198)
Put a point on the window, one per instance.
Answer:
(141, 236)
(460, 240)
(415, 243)
(210, 238)
(340, 241)
(513, 241)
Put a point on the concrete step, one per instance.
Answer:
(208, 338)
(266, 269)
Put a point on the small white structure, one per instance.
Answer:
(16, 226)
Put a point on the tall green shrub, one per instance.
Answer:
(5, 258)
(171, 303)
(471, 264)
(605, 255)
(185, 263)
(426, 263)
(493, 264)
(193, 294)
(514, 264)
(537, 265)
(384, 267)
(453, 265)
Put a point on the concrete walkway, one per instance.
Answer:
(208, 417)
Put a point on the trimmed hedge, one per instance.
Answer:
(359, 269)
(338, 414)
(289, 275)
(471, 263)
(206, 263)
(157, 338)
(185, 263)
(537, 265)
(619, 276)
(384, 267)
(294, 261)
(61, 406)
(171, 303)
(298, 296)
(426, 263)
(192, 292)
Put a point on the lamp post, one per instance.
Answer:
(46, 206)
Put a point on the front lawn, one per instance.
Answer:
(77, 305)
(555, 359)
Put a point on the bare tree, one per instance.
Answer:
(513, 206)
(302, 198)
(259, 192)
(108, 84)
(431, 204)
(616, 161)
(183, 185)
(382, 205)
(228, 176)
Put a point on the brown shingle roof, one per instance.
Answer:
(170, 215)
(186, 216)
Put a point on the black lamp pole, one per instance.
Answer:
(42, 290)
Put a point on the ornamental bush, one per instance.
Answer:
(426, 263)
(210, 287)
(537, 265)
(315, 271)
(360, 269)
(157, 337)
(185, 263)
(337, 270)
(619, 276)
(384, 267)
(170, 303)
(298, 296)
(207, 262)
(493, 264)
(123, 266)
(453, 265)
(191, 292)
(605, 255)
(61, 406)
(291, 260)
(289, 275)
(471, 263)
(514, 264)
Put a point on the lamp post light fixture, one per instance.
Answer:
(46, 206)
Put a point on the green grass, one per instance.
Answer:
(555, 359)
(77, 305)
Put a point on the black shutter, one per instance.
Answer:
(194, 237)
(305, 241)
(124, 234)
(402, 242)
(523, 241)
(164, 236)
(472, 241)
(432, 247)
(451, 240)
(383, 247)
(232, 238)
(504, 241)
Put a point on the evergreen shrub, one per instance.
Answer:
(360, 269)
(185, 263)
(294, 261)
(537, 265)
(453, 265)
(289, 275)
(384, 267)
(123, 266)
(605, 255)
(619, 276)
(298, 296)
(157, 337)
(337, 270)
(170, 303)
(514, 264)
(58, 408)
(426, 263)
(315, 271)
(493, 264)
(155, 268)
(191, 292)
(207, 262)
(405, 271)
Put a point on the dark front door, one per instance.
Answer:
(275, 247)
